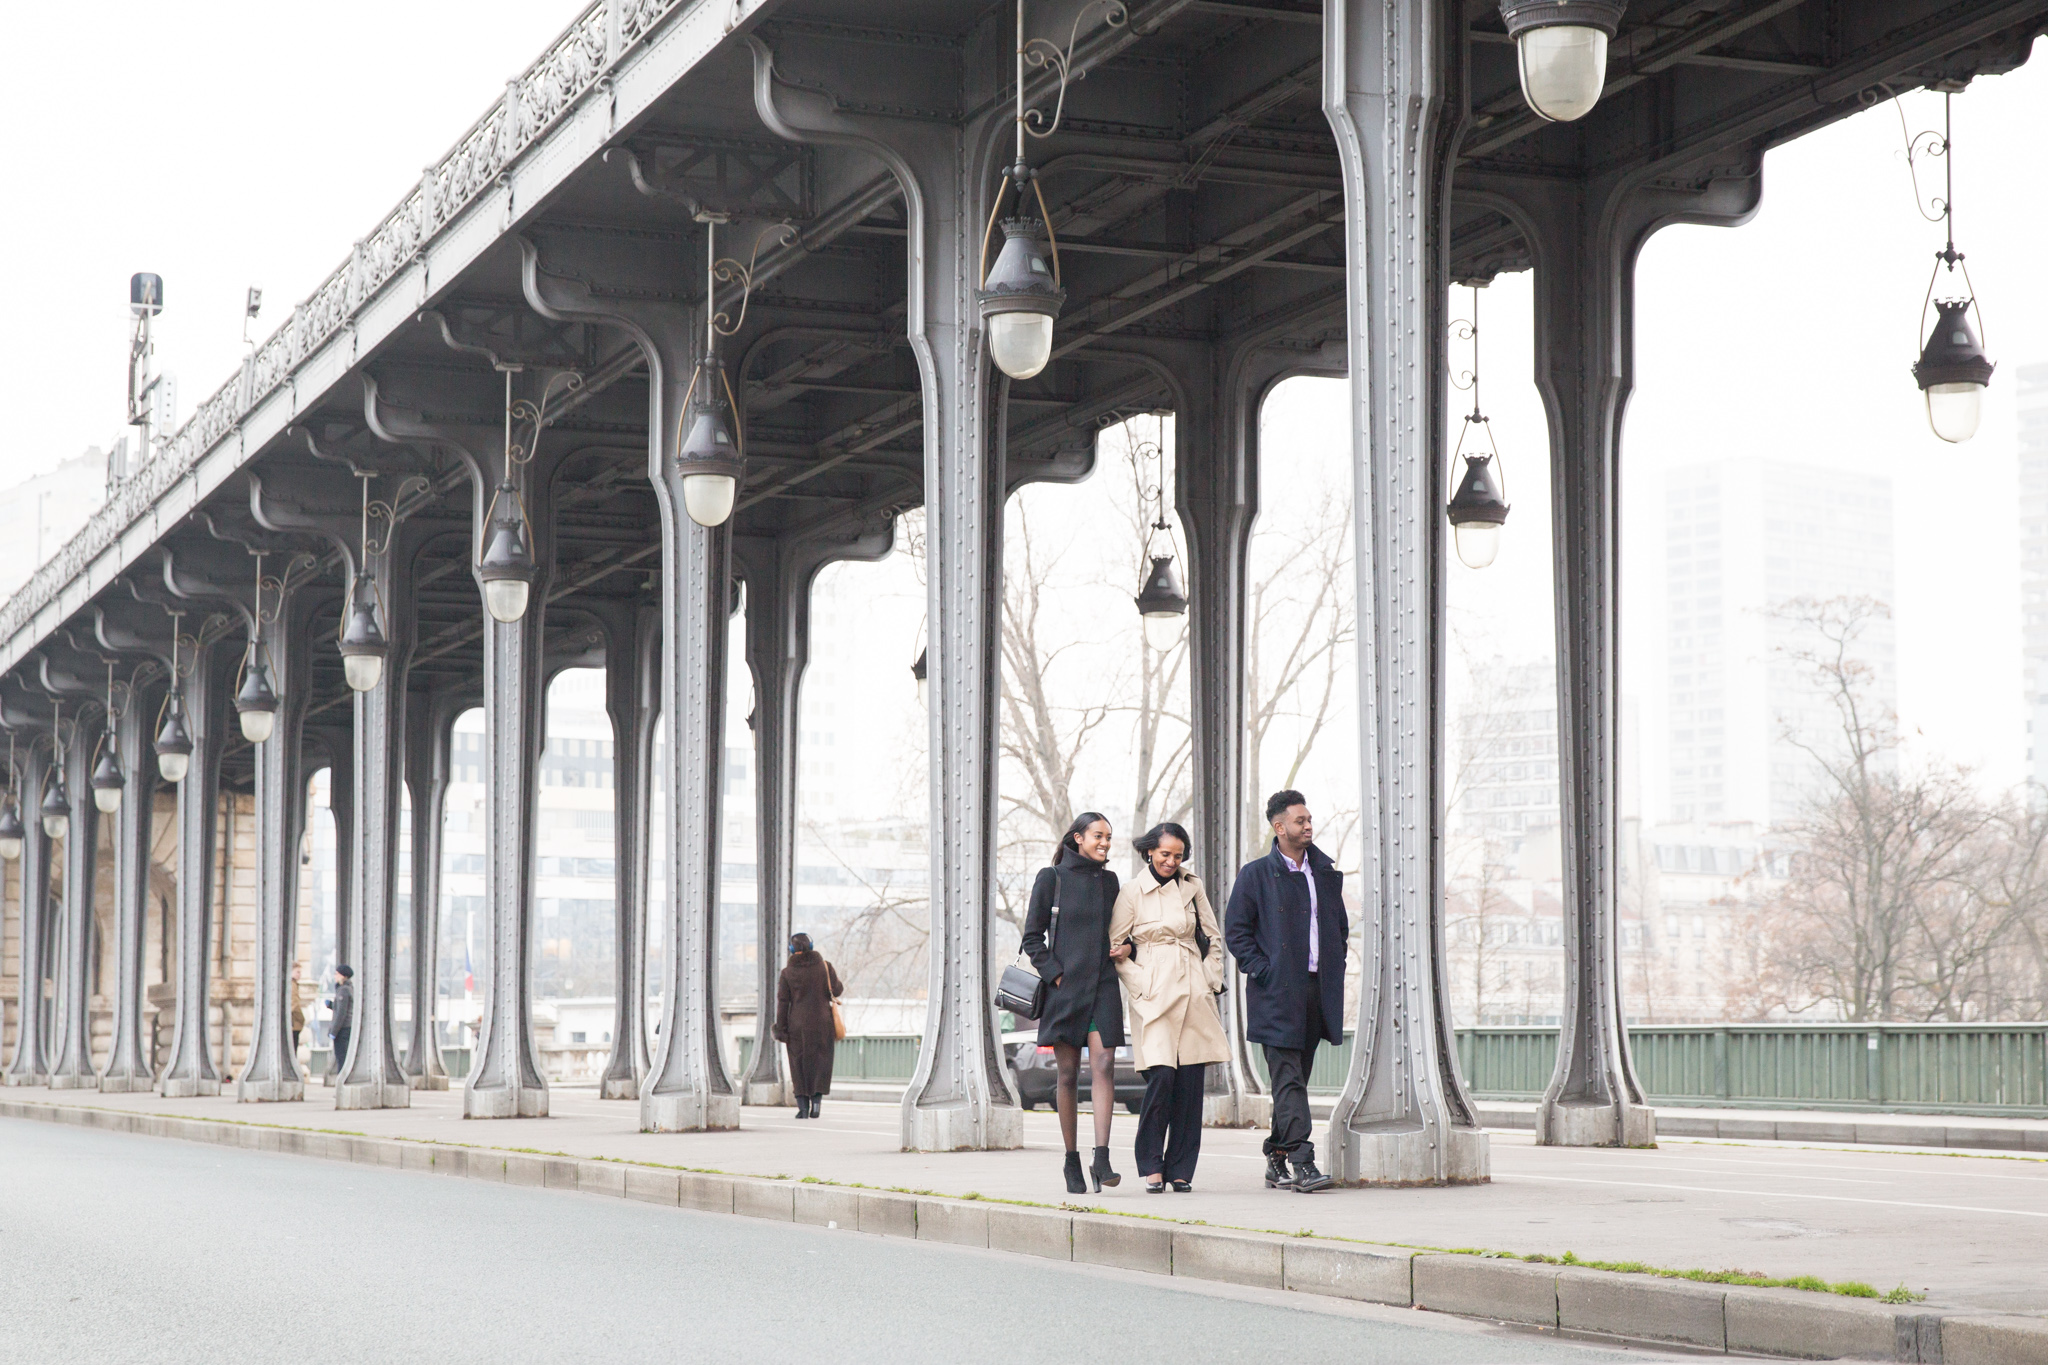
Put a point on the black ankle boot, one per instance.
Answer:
(815, 1101)
(803, 1106)
(1076, 1184)
(1101, 1172)
(1278, 1177)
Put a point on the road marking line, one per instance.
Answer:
(1723, 1170)
(1773, 1194)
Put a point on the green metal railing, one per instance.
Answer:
(1989, 1069)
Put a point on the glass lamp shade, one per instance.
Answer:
(107, 781)
(56, 812)
(1162, 606)
(1561, 52)
(12, 835)
(363, 671)
(363, 645)
(1953, 372)
(1477, 511)
(173, 747)
(708, 498)
(258, 726)
(918, 671)
(505, 599)
(1019, 301)
(1020, 343)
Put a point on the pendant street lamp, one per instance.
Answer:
(711, 452)
(1479, 507)
(56, 810)
(256, 699)
(56, 806)
(12, 835)
(1953, 370)
(918, 671)
(506, 568)
(362, 642)
(1162, 605)
(107, 777)
(1021, 294)
(1561, 51)
(173, 742)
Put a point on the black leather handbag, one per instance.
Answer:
(1022, 991)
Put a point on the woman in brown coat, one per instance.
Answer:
(803, 1022)
(1172, 975)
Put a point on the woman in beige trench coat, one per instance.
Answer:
(1171, 980)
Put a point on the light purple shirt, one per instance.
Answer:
(1314, 939)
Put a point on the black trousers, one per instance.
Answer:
(1288, 1068)
(1169, 1138)
(341, 1037)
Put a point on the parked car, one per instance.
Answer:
(1037, 1073)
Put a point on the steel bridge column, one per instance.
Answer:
(1390, 69)
(686, 1087)
(190, 1070)
(429, 731)
(371, 1077)
(271, 1072)
(1216, 472)
(960, 1096)
(632, 658)
(28, 1066)
(341, 805)
(71, 1067)
(128, 1068)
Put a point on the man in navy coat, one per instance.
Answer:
(1287, 929)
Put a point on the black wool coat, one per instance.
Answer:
(1078, 956)
(1266, 930)
(803, 1020)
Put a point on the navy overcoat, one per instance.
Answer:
(1266, 928)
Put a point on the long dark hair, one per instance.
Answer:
(1149, 840)
(1072, 838)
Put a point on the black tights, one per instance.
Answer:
(1102, 1088)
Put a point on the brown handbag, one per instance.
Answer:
(838, 1020)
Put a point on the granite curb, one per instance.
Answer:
(1724, 1318)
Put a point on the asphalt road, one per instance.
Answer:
(116, 1248)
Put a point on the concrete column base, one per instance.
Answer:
(24, 1078)
(373, 1095)
(1405, 1155)
(180, 1088)
(953, 1128)
(426, 1082)
(689, 1112)
(505, 1103)
(85, 1082)
(619, 1088)
(1237, 1111)
(1596, 1125)
(772, 1094)
(111, 1084)
(268, 1092)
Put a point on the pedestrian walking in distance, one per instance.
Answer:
(803, 1022)
(298, 1010)
(1287, 929)
(1171, 977)
(343, 1025)
(1083, 1005)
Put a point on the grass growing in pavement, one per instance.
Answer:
(1813, 1284)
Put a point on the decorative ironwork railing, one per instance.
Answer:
(570, 67)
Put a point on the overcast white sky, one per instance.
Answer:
(229, 143)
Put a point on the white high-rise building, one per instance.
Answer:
(1745, 538)
(2033, 405)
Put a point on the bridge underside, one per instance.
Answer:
(1242, 190)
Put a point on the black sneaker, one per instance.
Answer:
(1278, 1177)
(1307, 1179)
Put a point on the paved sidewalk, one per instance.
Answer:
(1970, 1231)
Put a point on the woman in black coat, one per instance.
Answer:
(803, 1022)
(1084, 1005)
